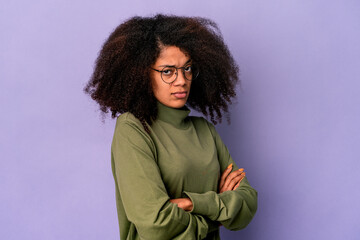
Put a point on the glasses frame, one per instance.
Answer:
(176, 73)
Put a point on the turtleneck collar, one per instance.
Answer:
(173, 116)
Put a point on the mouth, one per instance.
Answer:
(180, 95)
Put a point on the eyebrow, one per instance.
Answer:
(188, 61)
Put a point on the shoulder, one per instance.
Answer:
(129, 127)
(201, 122)
(128, 120)
(127, 117)
(198, 120)
(130, 138)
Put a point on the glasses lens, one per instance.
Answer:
(191, 72)
(168, 74)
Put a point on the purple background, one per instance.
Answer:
(295, 127)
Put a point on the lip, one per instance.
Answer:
(180, 94)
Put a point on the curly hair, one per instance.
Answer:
(121, 78)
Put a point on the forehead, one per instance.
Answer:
(172, 55)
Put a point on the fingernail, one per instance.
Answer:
(230, 166)
(241, 170)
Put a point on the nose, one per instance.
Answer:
(180, 78)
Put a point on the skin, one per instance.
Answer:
(230, 181)
(175, 95)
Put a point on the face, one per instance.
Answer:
(174, 94)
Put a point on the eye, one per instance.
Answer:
(168, 71)
(187, 69)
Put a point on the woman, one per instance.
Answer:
(166, 164)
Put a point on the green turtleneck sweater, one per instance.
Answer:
(183, 156)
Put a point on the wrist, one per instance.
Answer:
(189, 204)
(186, 204)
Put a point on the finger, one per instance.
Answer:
(231, 176)
(224, 175)
(232, 180)
(238, 184)
(235, 180)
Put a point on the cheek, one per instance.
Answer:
(158, 88)
(154, 84)
(160, 91)
(157, 93)
(154, 87)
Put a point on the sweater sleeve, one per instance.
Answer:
(144, 196)
(233, 209)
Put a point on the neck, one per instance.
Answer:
(174, 116)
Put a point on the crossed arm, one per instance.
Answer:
(229, 181)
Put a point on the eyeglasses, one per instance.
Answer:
(170, 73)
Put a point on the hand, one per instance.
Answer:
(184, 203)
(230, 181)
